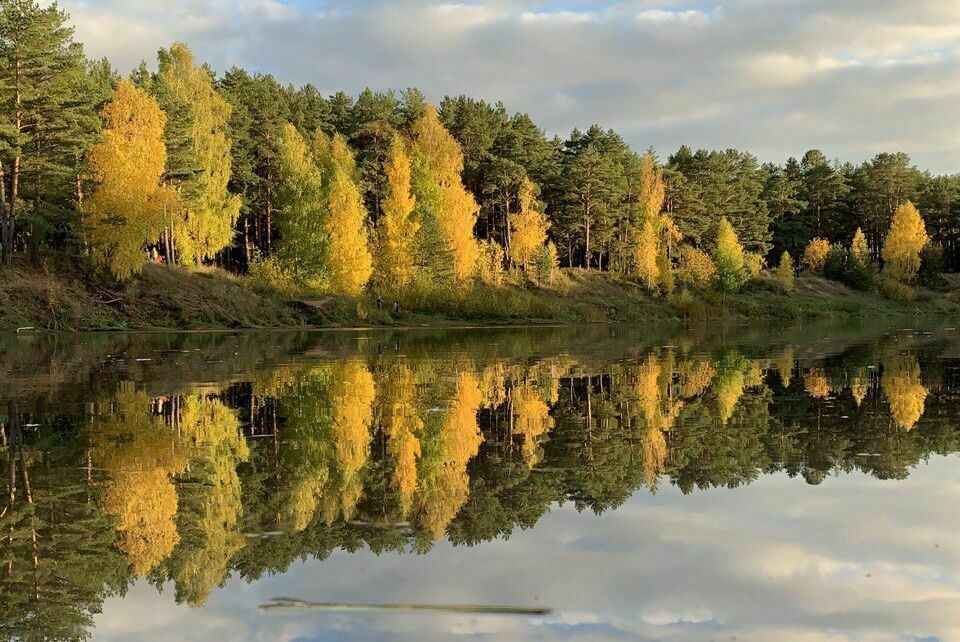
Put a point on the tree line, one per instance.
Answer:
(335, 193)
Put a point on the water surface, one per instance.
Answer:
(635, 483)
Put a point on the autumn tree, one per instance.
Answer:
(728, 256)
(198, 157)
(528, 226)
(861, 270)
(349, 262)
(904, 242)
(397, 229)
(815, 255)
(129, 208)
(785, 272)
(904, 390)
(456, 210)
(305, 243)
(696, 268)
(645, 254)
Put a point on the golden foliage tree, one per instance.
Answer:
(815, 255)
(646, 254)
(202, 164)
(129, 207)
(528, 226)
(784, 365)
(210, 533)
(859, 248)
(398, 227)
(860, 385)
(905, 240)
(457, 210)
(785, 272)
(652, 189)
(729, 259)
(351, 398)
(904, 390)
(696, 268)
(349, 262)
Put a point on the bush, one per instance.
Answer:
(267, 273)
(696, 268)
(837, 262)
(785, 273)
(490, 263)
(896, 291)
(931, 264)
(755, 263)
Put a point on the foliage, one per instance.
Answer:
(815, 255)
(785, 276)
(902, 246)
(528, 226)
(545, 263)
(490, 263)
(837, 264)
(129, 208)
(398, 228)
(731, 269)
(199, 160)
(456, 209)
(697, 269)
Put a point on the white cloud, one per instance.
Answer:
(775, 77)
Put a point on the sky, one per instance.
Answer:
(775, 77)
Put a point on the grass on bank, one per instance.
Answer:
(64, 297)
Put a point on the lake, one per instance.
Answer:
(543, 483)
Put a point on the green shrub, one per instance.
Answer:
(896, 291)
(836, 263)
(267, 273)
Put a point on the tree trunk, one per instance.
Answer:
(586, 248)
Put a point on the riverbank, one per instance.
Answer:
(56, 298)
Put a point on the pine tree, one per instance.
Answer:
(128, 210)
(528, 226)
(904, 242)
(398, 227)
(198, 155)
(259, 110)
(731, 266)
(41, 89)
(457, 212)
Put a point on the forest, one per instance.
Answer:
(384, 192)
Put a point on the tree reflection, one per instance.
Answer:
(394, 450)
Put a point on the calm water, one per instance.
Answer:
(635, 483)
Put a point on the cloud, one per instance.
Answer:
(854, 558)
(773, 76)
